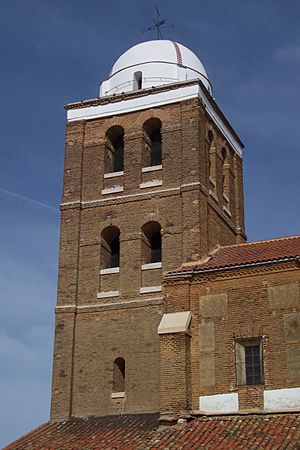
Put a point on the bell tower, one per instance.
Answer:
(152, 179)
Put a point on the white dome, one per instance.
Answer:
(153, 63)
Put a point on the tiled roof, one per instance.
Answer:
(132, 432)
(245, 254)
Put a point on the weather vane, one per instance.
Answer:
(159, 23)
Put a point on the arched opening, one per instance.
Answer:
(153, 143)
(137, 81)
(210, 138)
(224, 157)
(151, 243)
(119, 375)
(110, 247)
(225, 176)
(211, 157)
(114, 158)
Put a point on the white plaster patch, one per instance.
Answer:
(220, 403)
(280, 399)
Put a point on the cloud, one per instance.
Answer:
(28, 199)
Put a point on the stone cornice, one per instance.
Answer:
(99, 307)
(159, 193)
(127, 95)
(101, 101)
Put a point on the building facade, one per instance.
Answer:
(165, 315)
(240, 342)
(152, 179)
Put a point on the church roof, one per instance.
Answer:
(156, 62)
(247, 254)
(141, 432)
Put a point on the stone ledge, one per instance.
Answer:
(107, 294)
(150, 184)
(140, 303)
(151, 168)
(114, 174)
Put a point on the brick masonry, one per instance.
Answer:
(92, 332)
(228, 305)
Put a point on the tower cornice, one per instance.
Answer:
(155, 97)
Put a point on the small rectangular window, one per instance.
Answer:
(137, 81)
(249, 361)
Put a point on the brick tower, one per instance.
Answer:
(152, 179)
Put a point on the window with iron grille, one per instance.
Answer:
(249, 361)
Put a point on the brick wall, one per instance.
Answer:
(192, 222)
(175, 369)
(241, 304)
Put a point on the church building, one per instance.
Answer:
(171, 330)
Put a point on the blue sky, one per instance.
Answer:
(53, 52)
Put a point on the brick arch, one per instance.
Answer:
(109, 221)
(114, 149)
(211, 134)
(152, 149)
(151, 242)
(163, 116)
(154, 217)
(110, 247)
(150, 124)
(119, 374)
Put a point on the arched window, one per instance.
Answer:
(137, 81)
(119, 375)
(114, 149)
(211, 160)
(225, 174)
(151, 243)
(153, 147)
(110, 247)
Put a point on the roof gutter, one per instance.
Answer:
(237, 266)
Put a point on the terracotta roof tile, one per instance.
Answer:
(141, 432)
(244, 254)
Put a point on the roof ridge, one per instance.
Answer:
(284, 238)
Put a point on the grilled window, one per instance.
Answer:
(253, 364)
(249, 361)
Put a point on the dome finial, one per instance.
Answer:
(159, 23)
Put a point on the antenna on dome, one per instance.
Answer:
(159, 23)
